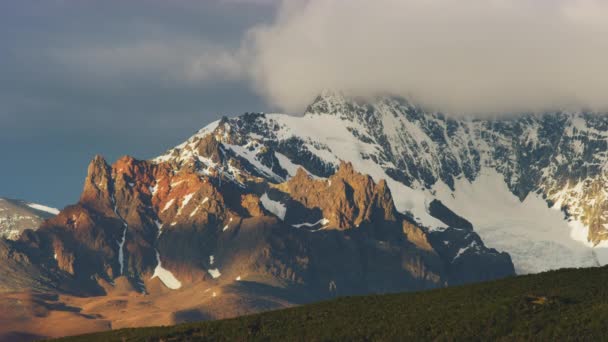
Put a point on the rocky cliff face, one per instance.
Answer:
(379, 178)
(560, 155)
(423, 156)
(213, 212)
(352, 197)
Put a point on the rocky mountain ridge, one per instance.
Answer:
(184, 222)
(263, 211)
(147, 220)
(424, 156)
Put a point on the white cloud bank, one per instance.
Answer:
(455, 55)
(469, 56)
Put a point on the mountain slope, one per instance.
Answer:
(558, 305)
(341, 235)
(558, 159)
(264, 211)
(156, 243)
(17, 216)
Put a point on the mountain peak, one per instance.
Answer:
(328, 101)
(97, 185)
(351, 107)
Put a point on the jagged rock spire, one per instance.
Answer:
(98, 185)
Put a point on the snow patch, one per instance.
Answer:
(121, 253)
(159, 225)
(461, 251)
(322, 221)
(194, 212)
(168, 205)
(185, 201)
(44, 208)
(174, 184)
(165, 275)
(274, 207)
(153, 189)
(227, 225)
(287, 164)
(215, 273)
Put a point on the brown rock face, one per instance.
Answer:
(417, 236)
(251, 204)
(208, 216)
(347, 199)
(219, 213)
(132, 210)
(98, 186)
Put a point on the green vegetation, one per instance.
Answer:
(559, 305)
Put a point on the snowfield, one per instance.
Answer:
(537, 237)
(419, 153)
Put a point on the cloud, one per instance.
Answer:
(454, 55)
(157, 60)
(462, 56)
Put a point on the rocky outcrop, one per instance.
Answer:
(225, 206)
(21, 270)
(561, 156)
(346, 200)
(98, 186)
(340, 235)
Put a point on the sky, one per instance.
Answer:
(80, 78)
(116, 77)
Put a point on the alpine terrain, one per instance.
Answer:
(265, 211)
(17, 215)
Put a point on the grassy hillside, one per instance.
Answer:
(558, 305)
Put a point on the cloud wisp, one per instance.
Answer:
(473, 56)
(155, 60)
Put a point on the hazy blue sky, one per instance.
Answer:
(55, 113)
(115, 77)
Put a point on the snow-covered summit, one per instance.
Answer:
(560, 157)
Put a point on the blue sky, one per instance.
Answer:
(116, 77)
(54, 117)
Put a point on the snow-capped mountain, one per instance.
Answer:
(531, 185)
(263, 211)
(313, 203)
(17, 215)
